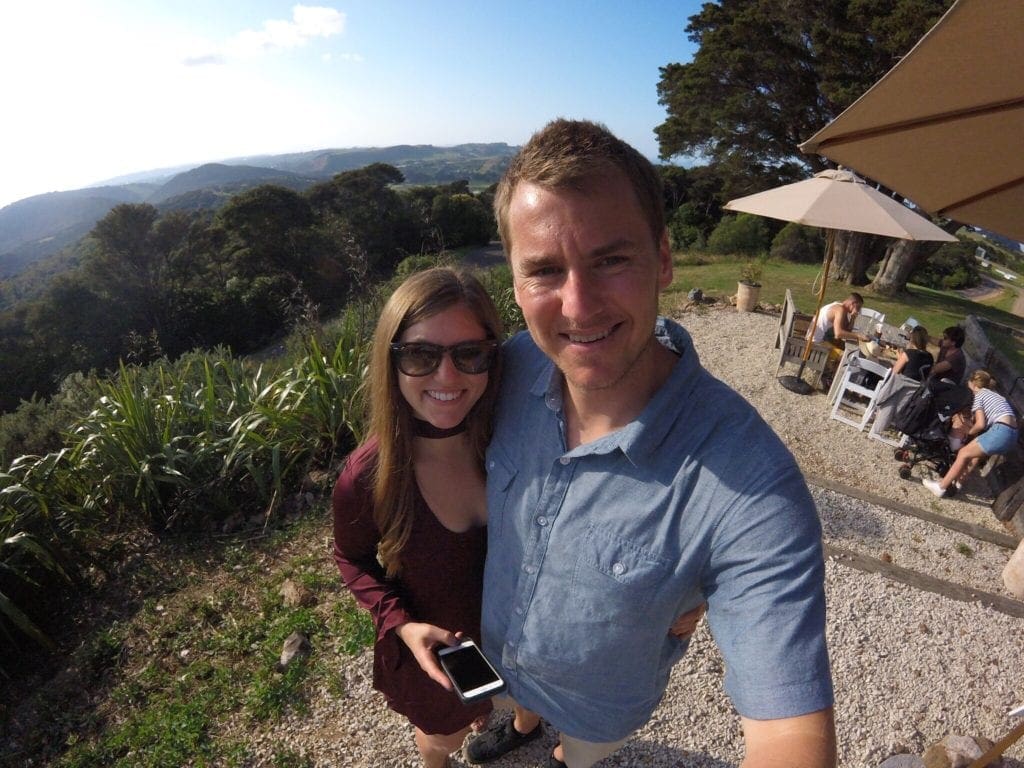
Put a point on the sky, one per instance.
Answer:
(95, 89)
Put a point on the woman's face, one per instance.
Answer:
(444, 397)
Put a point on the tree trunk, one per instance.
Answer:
(900, 259)
(854, 253)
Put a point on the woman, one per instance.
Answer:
(995, 425)
(410, 549)
(915, 361)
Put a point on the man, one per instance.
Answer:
(626, 485)
(835, 321)
(951, 363)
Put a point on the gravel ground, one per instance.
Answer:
(909, 666)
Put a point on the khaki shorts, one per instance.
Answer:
(576, 752)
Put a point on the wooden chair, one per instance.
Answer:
(791, 338)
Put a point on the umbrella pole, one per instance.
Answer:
(796, 383)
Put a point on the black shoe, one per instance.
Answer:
(499, 740)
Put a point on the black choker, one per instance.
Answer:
(426, 429)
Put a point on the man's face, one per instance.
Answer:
(852, 307)
(587, 274)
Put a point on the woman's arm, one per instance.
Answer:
(979, 423)
(901, 361)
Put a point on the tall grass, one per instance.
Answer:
(176, 446)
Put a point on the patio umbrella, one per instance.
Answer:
(836, 199)
(945, 126)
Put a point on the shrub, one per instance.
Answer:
(951, 267)
(684, 229)
(743, 234)
(799, 243)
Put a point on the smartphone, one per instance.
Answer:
(471, 674)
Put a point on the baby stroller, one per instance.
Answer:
(925, 419)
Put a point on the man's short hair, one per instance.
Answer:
(955, 334)
(572, 154)
(855, 297)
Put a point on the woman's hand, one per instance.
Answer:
(684, 626)
(422, 639)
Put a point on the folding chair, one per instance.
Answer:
(867, 319)
(855, 401)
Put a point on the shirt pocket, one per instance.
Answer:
(501, 472)
(615, 580)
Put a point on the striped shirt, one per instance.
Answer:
(995, 407)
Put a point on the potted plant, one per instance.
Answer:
(749, 288)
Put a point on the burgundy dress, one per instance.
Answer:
(441, 583)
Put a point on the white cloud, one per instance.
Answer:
(307, 22)
(351, 57)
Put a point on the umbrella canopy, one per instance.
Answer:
(945, 126)
(840, 200)
(836, 200)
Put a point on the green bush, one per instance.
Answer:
(684, 229)
(743, 234)
(951, 267)
(799, 243)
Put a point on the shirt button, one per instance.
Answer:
(542, 521)
(519, 610)
(564, 460)
(618, 569)
(530, 568)
(490, 465)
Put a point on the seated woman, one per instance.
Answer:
(915, 361)
(994, 425)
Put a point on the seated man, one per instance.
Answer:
(834, 324)
(951, 363)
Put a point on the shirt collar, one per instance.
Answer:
(647, 432)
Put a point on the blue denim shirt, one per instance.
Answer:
(593, 552)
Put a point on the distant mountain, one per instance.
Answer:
(39, 226)
(214, 176)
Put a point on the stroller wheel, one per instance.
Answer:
(901, 454)
(942, 468)
(905, 471)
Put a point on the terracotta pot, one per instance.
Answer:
(746, 296)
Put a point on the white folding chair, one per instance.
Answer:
(855, 401)
(867, 319)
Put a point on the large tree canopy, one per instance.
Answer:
(769, 73)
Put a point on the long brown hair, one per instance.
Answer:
(421, 296)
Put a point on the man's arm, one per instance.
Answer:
(842, 325)
(806, 741)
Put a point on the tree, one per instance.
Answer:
(368, 210)
(462, 220)
(770, 73)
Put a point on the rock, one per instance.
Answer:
(295, 595)
(297, 645)
(902, 761)
(695, 294)
(957, 751)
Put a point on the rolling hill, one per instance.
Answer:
(40, 226)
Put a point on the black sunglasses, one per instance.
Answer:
(419, 358)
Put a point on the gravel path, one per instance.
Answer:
(909, 666)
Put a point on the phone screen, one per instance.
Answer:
(469, 670)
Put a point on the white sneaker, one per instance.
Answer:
(934, 487)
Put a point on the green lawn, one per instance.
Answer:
(934, 309)
(717, 276)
